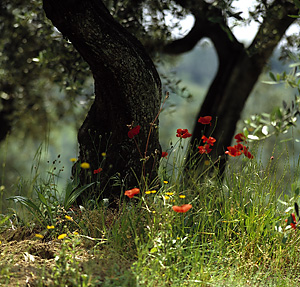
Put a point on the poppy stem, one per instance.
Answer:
(137, 146)
(153, 122)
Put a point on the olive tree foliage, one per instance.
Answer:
(35, 64)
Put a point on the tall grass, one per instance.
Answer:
(234, 235)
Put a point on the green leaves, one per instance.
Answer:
(282, 118)
(31, 207)
(35, 60)
(297, 3)
(45, 208)
(279, 121)
(72, 193)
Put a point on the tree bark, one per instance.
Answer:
(238, 71)
(5, 120)
(127, 91)
(6, 113)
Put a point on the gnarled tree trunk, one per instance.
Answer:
(238, 71)
(127, 90)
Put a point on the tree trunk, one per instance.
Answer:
(238, 71)
(237, 74)
(7, 104)
(127, 92)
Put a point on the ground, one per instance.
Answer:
(29, 261)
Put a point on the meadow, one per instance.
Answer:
(194, 230)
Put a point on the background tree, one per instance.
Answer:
(239, 67)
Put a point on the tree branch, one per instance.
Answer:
(210, 23)
(188, 42)
(274, 26)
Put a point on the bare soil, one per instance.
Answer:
(26, 260)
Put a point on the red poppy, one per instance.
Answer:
(205, 120)
(132, 192)
(233, 151)
(164, 154)
(182, 208)
(240, 137)
(183, 133)
(244, 149)
(240, 147)
(294, 222)
(204, 149)
(247, 153)
(209, 140)
(97, 170)
(134, 131)
(238, 150)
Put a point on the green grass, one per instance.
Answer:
(234, 235)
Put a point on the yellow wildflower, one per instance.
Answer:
(166, 197)
(103, 154)
(85, 165)
(50, 226)
(62, 236)
(68, 217)
(73, 159)
(182, 196)
(148, 191)
(165, 181)
(169, 193)
(153, 191)
(39, 236)
(75, 233)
